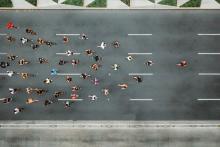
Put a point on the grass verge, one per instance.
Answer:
(168, 2)
(6, 3)
(33, 2)
(74, 2)
(192, 3)
(98, 3)
(127, 2)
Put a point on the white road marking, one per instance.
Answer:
(141, 99)
(70, 99)
(208, 53)
(66, 54)
(141, 74)
(208, 34)
(209, 74)
(2, 34)
(140, 53)
(67, 34)
(68, 74)
(3, 74)
(3, 53)
(140, 34)
(208, 99)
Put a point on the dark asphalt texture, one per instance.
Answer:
(174, 90)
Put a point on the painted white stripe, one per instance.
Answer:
(208, 34)
(208, 53)
(67, 34)
(141, 99)
(140, 53)
(70, 99)
(208, 99)
(2, 34)
(66, 54)
(209, 74)
(141, 74)
(3, 53)
(3, 74)
(140, 34)
(68, 74)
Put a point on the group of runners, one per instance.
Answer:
(75, 89)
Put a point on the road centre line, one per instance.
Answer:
(208, 34)
(140, 53)
(141, 74)
(68, 74)
(208, 53)
(3, 74)
(141, 99)
(3, 53)
(70, 99)
(2, 34)
(140, 34)
(208, 99)
(67, 34)
(209, 74)
(66, 54)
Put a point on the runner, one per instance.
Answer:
(47, 81)
(83, 37)
(67, 104)
(129, 58)
(65, 39)
(115, 66)
(18, 109)
(29, 90)
(105, 91)
(84, 75)
(62, 62)
(10, 25)
(10, 39)
(30, 31)
(123, 86)
(34, 46)
(31, 100)
(23, 62)
(12, 57)
(42, 60)
(47, 102)
(75, 62)
(69, 79)
(24, 75)
(116, 44)
(95, 66)
(58, 94)
(4, 64)
(89, 52)
(95, 81)
(182, 63)
(6, 100)
(13, 90)
(10, 73)
(93, 97)
(97, 58)
(40, 91)
(149, 63)
(138, 79)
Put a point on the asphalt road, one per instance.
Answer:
(174, 91)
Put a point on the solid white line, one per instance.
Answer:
(2, 34)
(141, 74)
(208, 34)
(208, 99)
(3, 53)
(66, 54)
(208, 53)
(141, 99)
(140, 34)
(209, 74)
(70, 99)
(67, 34)
(139, 53)
(68, 74)
(3, 74)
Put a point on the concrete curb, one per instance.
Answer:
(88, 8)
(106, 124)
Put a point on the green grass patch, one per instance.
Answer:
(192, 3)
(127, 2)
(56, 1)
(6, 3)
(98, 3)
(218, 1)
(33, 2)
(74, 2)
(152, 1)
(168, 2)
